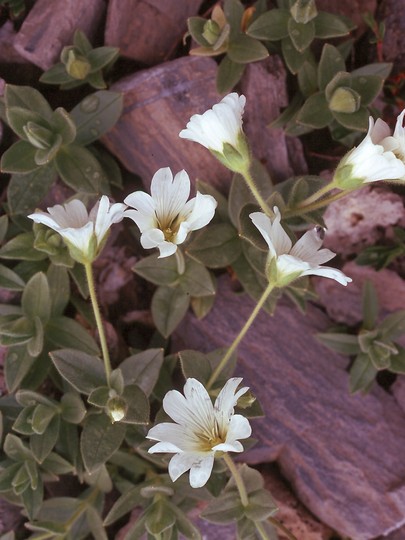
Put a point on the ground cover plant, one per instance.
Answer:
(112, 429)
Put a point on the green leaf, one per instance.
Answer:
(57, 74)
(96, 115)
(293, 58)
(26, 191)
(101, 57)
(72, 408)
(196, 280)
(124, 504)
(99, 440)
(19, 158)
(159, 518)
(21, 247)
(15, 449)
(79, 169)
(202, 305)
(216, 246)
(341, 343)
(138, 405)
(143, 369)
(195, 364)
(315, 112)
(42, 417)
(229, 74)
(357, 120)
(42, 444)
(233, 10)
(196, 28)
(59, 288)
(82, 371)
(64, 332)
(36, 298)
(18, 118)
(271, 26)
(32, 499)
(36, 343)
(63, 124)
(10, 280)
(17, 364)
(307, 79)
(397, 364)
(393, 325)
(301, 34)
(368, 87)
(369, 305)
(329, 25)
(362, 374)
(95, 524)
(245, 49)
(380, 69)
(27, 98)
(331, 62)
(169, 305)
(225, 509)
(158, 271)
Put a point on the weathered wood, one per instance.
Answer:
(148, 30)
(50, 26)
(158, 103)
(264, 86)
(343, 454)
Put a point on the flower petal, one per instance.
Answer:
(169, 195)
(201, 471)
(239, 428)
(199, 211)
(307, 249)
(328, 272)
(164, 447)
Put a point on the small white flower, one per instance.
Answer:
(220, 130)
(378, 157)
(301, 259)
(201, 429)
(166, 217)
(83, 232)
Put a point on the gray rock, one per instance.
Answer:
(342, 454)
(148, 30)
(50, 26)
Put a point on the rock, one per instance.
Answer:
(398, 390)
(359, 219)
(264, 86)
(354, 9)
(8, 55)
(159, 102)
(343, 454)
(50, 26)
(394, 37)
(344, 305)
(148, 30)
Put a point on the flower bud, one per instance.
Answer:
(211, 32)
(345, 100)
(116, 408)
(38, 136)
(304, 11)
(77, 66)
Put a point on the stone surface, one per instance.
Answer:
(394, 38)
(50, 26)
(342, 454)
(148, 30)
(344, 304)
(360, 219)
(159, 102)
(8, 55)
(264, 86)
(398, 390)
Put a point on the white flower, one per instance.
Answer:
(220, 130)
(378, 157)
(83, 232)
(201, 429)
(302, 259)
(165, 217)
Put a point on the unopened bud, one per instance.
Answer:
(345, 100)
(77, 66)
(116, 408)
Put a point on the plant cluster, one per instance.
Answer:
(116, 426)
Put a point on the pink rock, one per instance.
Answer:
(50, 26)
(148, 30)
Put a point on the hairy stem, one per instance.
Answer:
(238, 479)
(97, 315)
(240, 336)
(255, 192)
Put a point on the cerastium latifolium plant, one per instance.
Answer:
(114, 423)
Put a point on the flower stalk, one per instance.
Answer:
(238, 479)
(255, 192)
(99, 323)
(315, 204)
(217, 371)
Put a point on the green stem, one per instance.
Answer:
(255, 192)
(238, 479)
(314, 206)
(282, 528)
(97, 315)
(260, 530)
(240, 336)
(181, 263)
(317, 195)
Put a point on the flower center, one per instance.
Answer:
(209, 439)
(169, 228)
